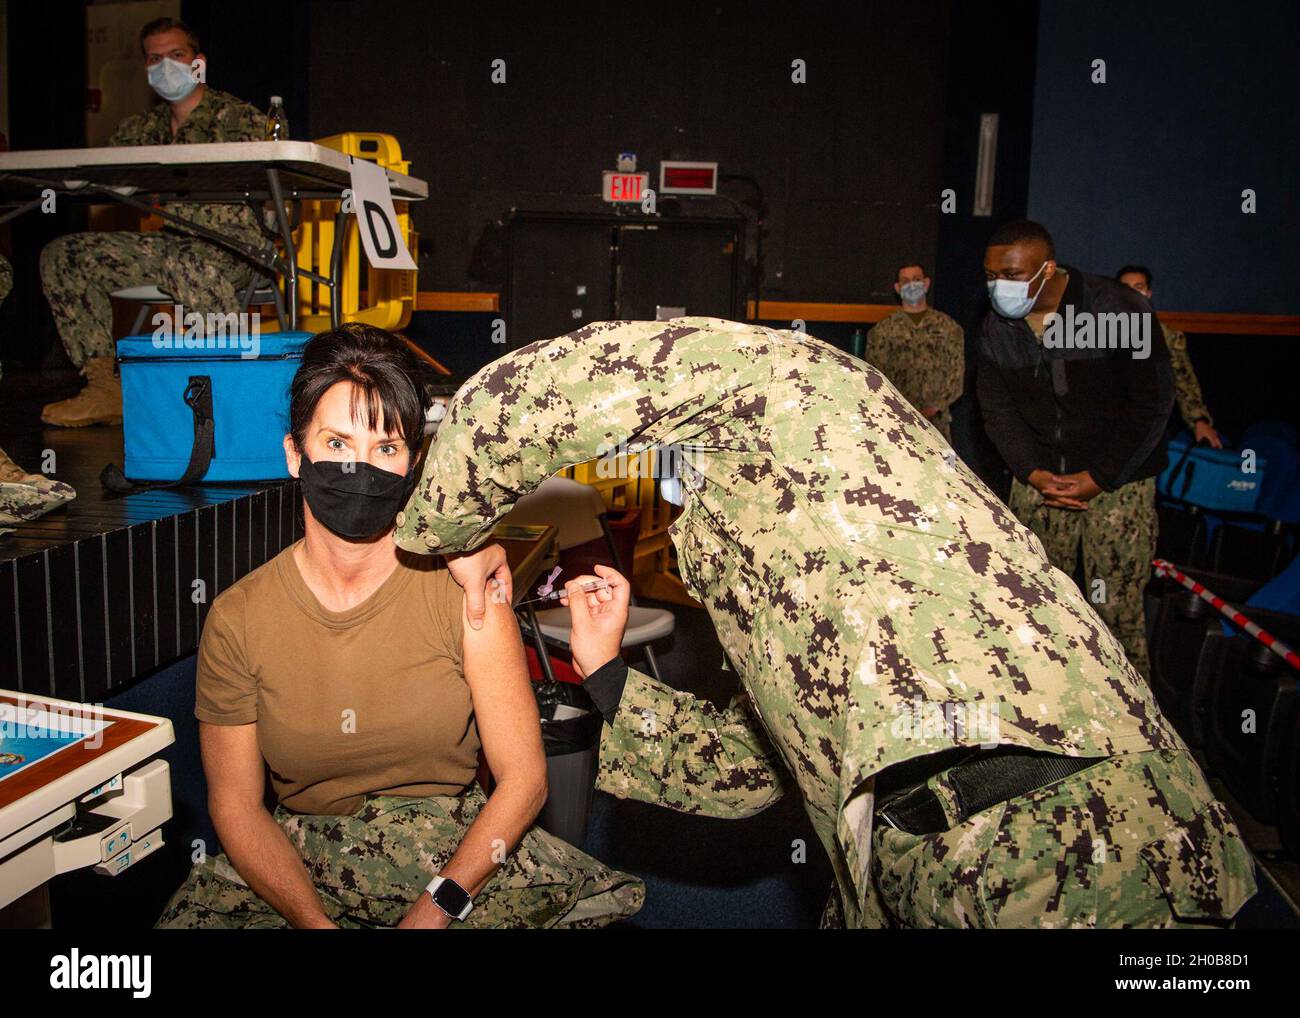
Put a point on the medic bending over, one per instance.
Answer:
(971, 745)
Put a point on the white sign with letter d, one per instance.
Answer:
(372, 204)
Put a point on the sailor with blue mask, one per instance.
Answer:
(1078, 419)
(920, 349)
(176, 69)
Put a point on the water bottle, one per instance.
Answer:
(277, 123)
(858, 343)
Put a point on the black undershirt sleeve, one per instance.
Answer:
(605, 686)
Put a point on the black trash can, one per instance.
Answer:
(572, 744)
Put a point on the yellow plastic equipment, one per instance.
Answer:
(390, 294)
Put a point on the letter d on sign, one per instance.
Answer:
(382, 239)
(372, 202)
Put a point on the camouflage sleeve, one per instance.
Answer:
(243, 122)
(129, 130)
(568, 400)
(1186, 387)
(6, 277)
(671, 749)
(878, 351)
(946, 377)
(887, 351)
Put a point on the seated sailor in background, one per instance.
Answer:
(80, 270)
(343, 665)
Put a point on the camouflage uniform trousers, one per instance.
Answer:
(30, 499)
(1117, 533)
(80, 270)
(1136, 840)
(368, 868)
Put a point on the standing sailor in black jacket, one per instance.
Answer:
(1075, 385)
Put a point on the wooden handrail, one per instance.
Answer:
(1199, 322)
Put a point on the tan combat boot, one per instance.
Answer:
(100, 402)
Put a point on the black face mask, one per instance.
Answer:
(356, 502)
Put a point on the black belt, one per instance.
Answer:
(981, 780)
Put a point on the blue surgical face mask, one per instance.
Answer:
(913, 292)
(171, 79)
(1010, 297)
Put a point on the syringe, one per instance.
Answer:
(589, 587)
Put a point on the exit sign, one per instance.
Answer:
(630, 187)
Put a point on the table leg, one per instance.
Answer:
(336, 262)
(15, 213)
(290, 252)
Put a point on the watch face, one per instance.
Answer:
(451, 898)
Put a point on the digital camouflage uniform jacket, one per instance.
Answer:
(925, 361)
(859, 576)
(219, 117)
(1187, 389)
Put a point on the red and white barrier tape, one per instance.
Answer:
(1270, 641)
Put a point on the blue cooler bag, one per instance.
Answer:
(1210, 478)
(207, 413)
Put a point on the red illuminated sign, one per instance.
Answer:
(625, 187)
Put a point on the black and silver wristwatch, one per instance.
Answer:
(450, 897)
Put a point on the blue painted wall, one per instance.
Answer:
(1199, 104)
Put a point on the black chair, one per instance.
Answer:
(1252, 710)
(1184, 638)
(1200, 697)
(1176, 648)
(1257, 555)
(1180, 534)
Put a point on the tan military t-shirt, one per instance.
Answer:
(372, 700)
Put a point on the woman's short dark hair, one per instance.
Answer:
(385, 373)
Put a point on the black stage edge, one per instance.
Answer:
(106, 588)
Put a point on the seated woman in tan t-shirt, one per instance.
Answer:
(344, 669)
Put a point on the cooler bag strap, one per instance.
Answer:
(1188, 470)
(198, 397)
(1188, 476)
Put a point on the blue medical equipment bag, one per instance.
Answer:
(212, 412)
(1210, 478)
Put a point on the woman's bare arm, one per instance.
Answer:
(511, 732)
(253, 841)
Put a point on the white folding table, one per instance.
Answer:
(247, 173)
(96, 802)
